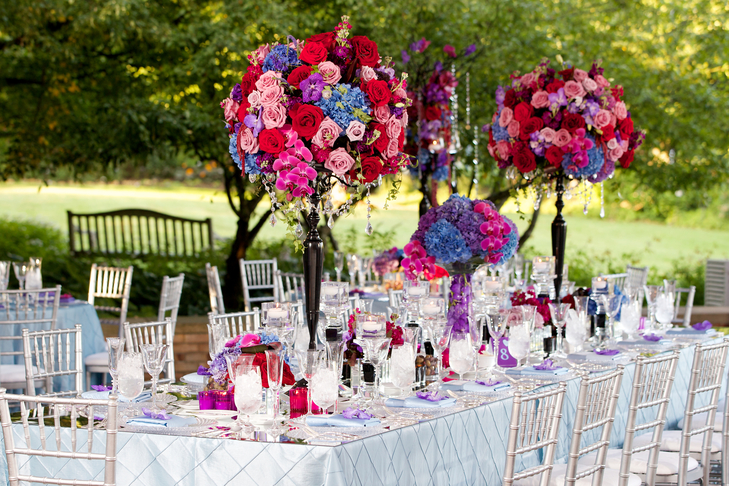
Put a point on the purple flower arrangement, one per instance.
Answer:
(386, 262)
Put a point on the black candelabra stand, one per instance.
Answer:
(559, 234)
(313, 266)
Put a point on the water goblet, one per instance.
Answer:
(21, 271)
(33, 279)
(519, 341)
(339, 264)
(131, 375)
(630, 318)
(581, 306)
(115, 347)
(308, 360)
(559, 316)
(461, 352)
(4, 275)
(154, 356)
(325, 383)
(216, 338)
(402, 361)
(246, 378)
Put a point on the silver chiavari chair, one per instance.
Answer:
(227, 326)
(534, 425)
(616, 279)
(142, 333)
(395, 297)
(702, 398)
(637, 276)
(56, 444)
(111, 283)
(688, 307)
(217, 306)
(23, 309)
(290, 286)
(259, 275)
(53, 354)
(169, 300)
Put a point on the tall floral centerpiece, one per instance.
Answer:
(311, 115)
(460, 235)
(552, 125)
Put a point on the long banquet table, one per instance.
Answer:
(466, 447)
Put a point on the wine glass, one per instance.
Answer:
(651, 296)
(131, 375)
(353, 264)
(246, 378)
(154, 356)
(461, 352)
(612, 305)
(581, 306)
(436, 329)
(33, 279)
(339, 264)
(274, 369)
(21, 271)
(308, 360)
(115, 347)
(325, 383)
(4, 275)
(559, 316)
(402, 361)
(216, 338)
(497, 328)
(519, 341)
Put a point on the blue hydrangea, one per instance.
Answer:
(280, 58)
(267, 338)
(251, 165)
(509, 249)
(498, 131)
(445, 242)
(596, 158)
(441, 173)
(233, 149)
(345, 105)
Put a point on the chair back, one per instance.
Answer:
(259, 275)
(534, 425)
(79, 450)
(227, 326)
(169, 300)
(111, 283)
(617, 279)
(217, 306)
(153, 333)
(688, 306)
(395, 299)
(707, 373)
(637, 276)
(50, 354)
(290, 286)
(652, 385)
(596, 405)
(30, 309)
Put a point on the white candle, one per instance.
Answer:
(431, 309)
(541, 266)
(416, 291)
(277, 313)
(371, 326)
(491, 285)
(330, 290)
(600, 284)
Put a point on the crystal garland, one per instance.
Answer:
(541, 190)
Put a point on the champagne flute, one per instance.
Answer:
(339, 264)
(154, 356)
(529, 317)
(274, 368)
(115, 347)
(21, 271)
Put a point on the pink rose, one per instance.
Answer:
(393, 128)
(492, 151)
(272, 96)
(247, 142)
(612, 144)
(261, 53)
(504, 149)
(269, 79)
(231, 109)
(339, 161)
(616, 153)
(548, 134)
(528, 79)
(274, 116)
(624, 145)
(507, 115)
(573, 90)
(613, 119)
(589, 84)
(620, 111)
(355, 131)
(513, 129)
(255, 99)
(367, 74)
(602, 118)
(601, 81)
(330, 72)
(404, 120)
(540, 99)
(580, 75)
(400, 93)
(562, 138)
(391, 149)
(328, 132)
(382, 113)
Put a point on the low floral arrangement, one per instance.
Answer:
(387, 262)
(543, 316)
(571, 120)
(248, 343)
(309, 112)
(353, 352)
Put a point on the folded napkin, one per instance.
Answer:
(415, 402)
(592, 356)
(691, 330)
(530, 370)
(339, 421)
(472, 386)
(173, 421)
(104, 395)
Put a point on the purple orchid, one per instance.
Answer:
(489, 382)
(547, 365)
(470, 50)
(161, 415)
(101, 388)
(607, 352)
(356, 413)
(702, 326)
(652, 337)
(501, 95)
(312, 87)
(433, 396)
(203, 371)
(556, 99)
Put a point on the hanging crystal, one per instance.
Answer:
(330, 221)
(511, 173)
(602, 201)
(537, 199)
(273, 220)
(468, 101)
(584, 197)
(252, 178)
(475, 160)
(455, 145)
(368, 228)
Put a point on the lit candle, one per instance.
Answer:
(600, 284)
(491, 285)
(431, 309)
(371, 326)
(330, 290)
(540, 267)
(416, 291)
(277, 313)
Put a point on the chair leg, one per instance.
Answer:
(88, 380)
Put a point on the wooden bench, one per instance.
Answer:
(138, 232)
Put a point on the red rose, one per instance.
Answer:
(510, 100)
(554, 156)
(626, 127)
(608, 133)
(327, 39)
(365, 50)
(530, 126)
(298, 75)
(243, 109)
(248, 83)
(401, 140)
(307, 119)
(572, 122)
(371, 168)
(567, 74)
(432, 113)
(272, 141)
(313, 53)
(523, 158)
(523, 112)
(627, 158)
(554, 86)
(382, 141)
(379, 92)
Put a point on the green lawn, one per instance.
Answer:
(658, 244)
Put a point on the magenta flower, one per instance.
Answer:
(450, 50)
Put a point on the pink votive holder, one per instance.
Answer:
(224, 400)
(297, 400)
(207, 399)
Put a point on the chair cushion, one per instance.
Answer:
(13, 373)
(97, 359)
(700, 420)
(609, 476)
(671, 441)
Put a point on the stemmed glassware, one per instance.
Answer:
(4, 275)
(402, 361)
(33, 279)
(581, 306)
(354, 265)
(414, 291)
(339, 264)
(436, 329)
(651, 296)
(246, 378)
(559, 316)
(115, 347)
(519, 280)
(461, 351)
(154, 356)
(529, 317)
(131, 375)
(21, 271)
(216, 338)
(519, 340)
(372, 336)
(308, 360)
(324, 383)
(497, 329)
(274, 369)
(611, 303)
(630, 314)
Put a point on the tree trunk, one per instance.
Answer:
(530, 229)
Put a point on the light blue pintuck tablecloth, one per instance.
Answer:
(78, 312)
(465, 448)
